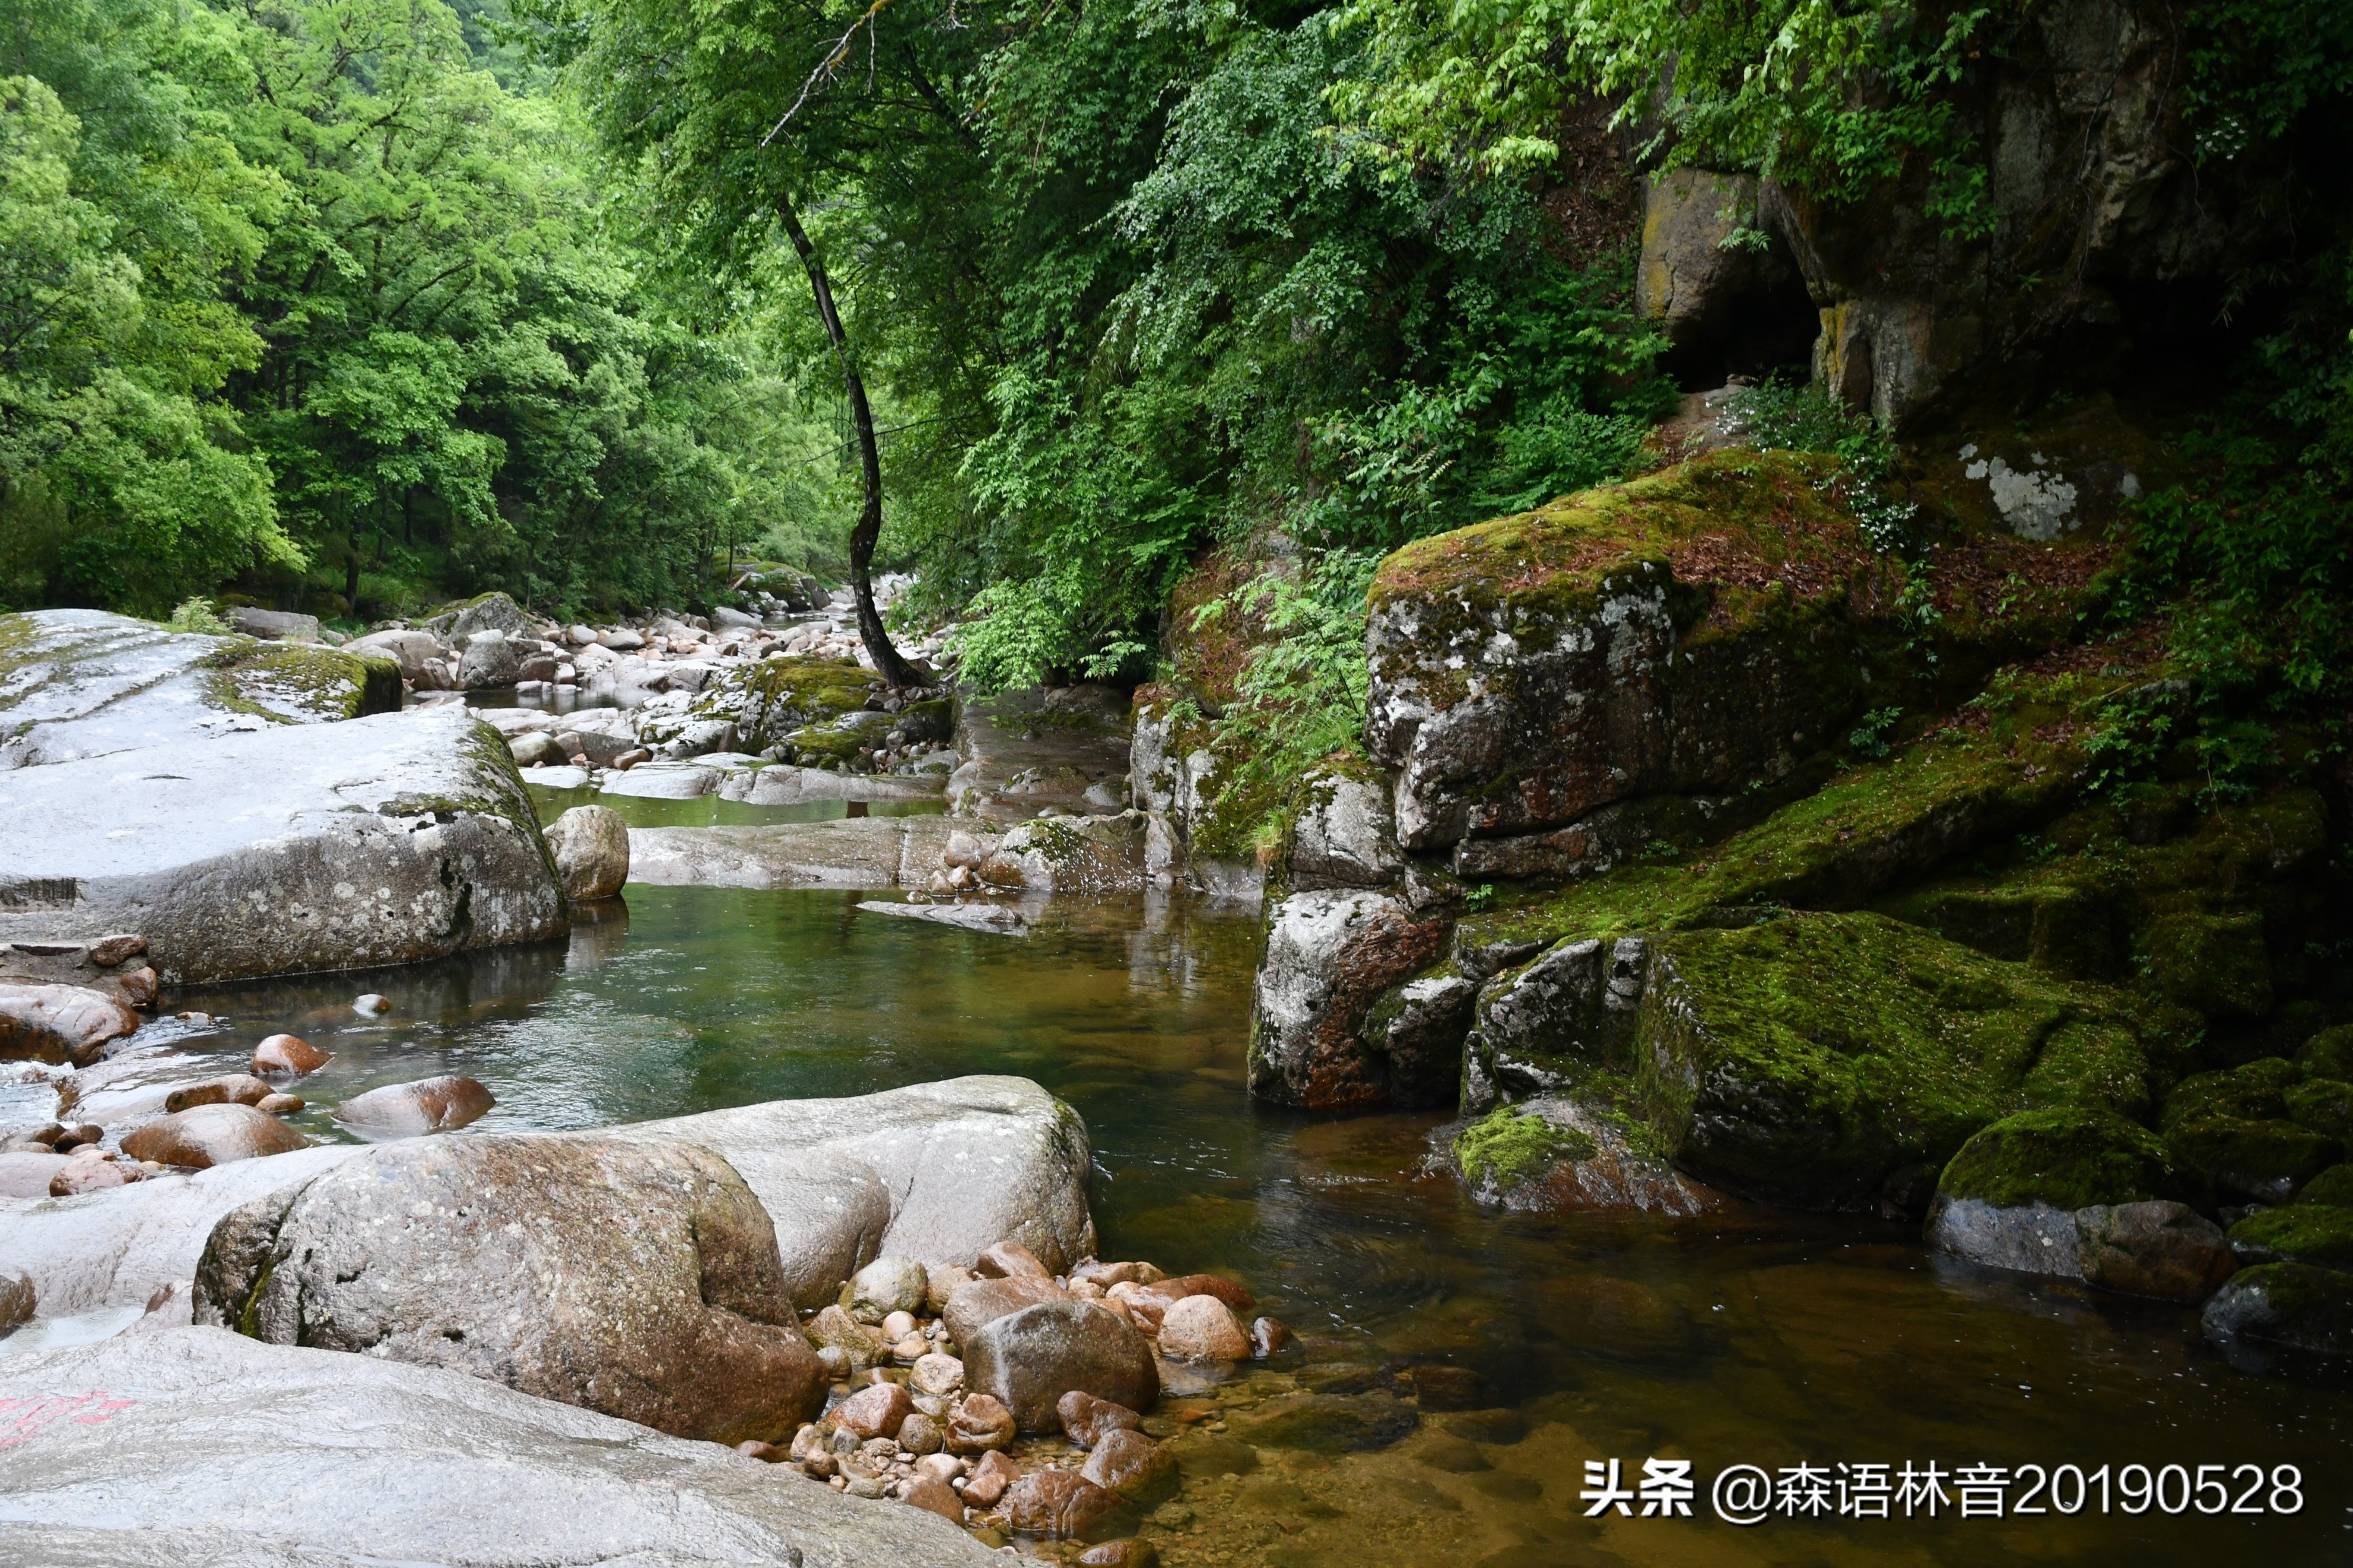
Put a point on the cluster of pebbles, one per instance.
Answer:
(924, 1406)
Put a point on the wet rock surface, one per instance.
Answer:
(411, 1109)
(639, 1280)
(60, 1023)
(591, 846)
(214, 1135)
(1029, 1359)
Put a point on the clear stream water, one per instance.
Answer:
(1765, 1339)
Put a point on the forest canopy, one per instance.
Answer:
(361, 303)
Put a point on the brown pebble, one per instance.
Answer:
(1125, 1552)
(990, 1478)
(109, 951)
(1268, 1336)
(1011, 1259)
(1085, 1418)
(86, 1176)
(1061, 1504)
(766, 1452)
(283, 1054)
(935, 1494)
(280, 1104)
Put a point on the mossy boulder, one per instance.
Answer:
(1071, 855)
(1680, 633)
(2233, 1126)
(2333, 1186)
(2296, 1305)
(1558, 1154)
(2325, 1105)
(1808, 1057)
(2068, 1157)
(2328, 1054)
(1331, 956)
(779, 696)
(2217, 964)
(2319, 1234)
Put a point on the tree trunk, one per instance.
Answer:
(887, 661)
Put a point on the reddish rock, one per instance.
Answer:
(87, 1176)
(280, 1104)
(237, 1089)
(1029, 1359)
(981, 1423)
(1109, 1273)
(932, 1493)
(413, 1109)
(976, 1305)
(17, 1300)
(1134, 1466)
(1010, 1260)
(989, 1480)
(1085, 1419)
(766, 1452)
(877, 1411)
(138, 986)
(1202, 1327)
(213, 1136)
(1145, 1309)
(1226, 1290)
(109, 951)
(281, 1055)
(1268, 1335)
(60, 1023)
(1062, 1505)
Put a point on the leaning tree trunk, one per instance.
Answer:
(887, 661)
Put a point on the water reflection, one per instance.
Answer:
(1751, 1336)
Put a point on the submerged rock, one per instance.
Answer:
(389, 840)
(1061, 1504)
(1556, 1154)
(639, 1280)
(2292, 1304)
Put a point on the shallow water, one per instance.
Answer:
(1765, 1339)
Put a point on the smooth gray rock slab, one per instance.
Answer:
(83, 683)
(219, 1450)
(2028, 1239)
(849, 852)
(970, 917)
(274, 626)
(784, 784)
(389, 840)
(935, 1171)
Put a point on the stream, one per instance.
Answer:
(1757, 1337)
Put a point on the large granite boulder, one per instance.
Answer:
(60, 1023)
(389, 840)
(637, 1278)
(209, 1447)
(83, 683)
(934, 1170)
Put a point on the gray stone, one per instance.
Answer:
(636, 1278)
(273, 626)
(848, 852)
(1071, 854)
(2027, 1238)
(1711, 300)
(413, 651)
(2299, 1305)
(701, 736)
(82, 683)
(663, 781)
(888, 1285)
(1329, 957)
(374, 1459)
(723, 616)
(489, 613)
(1347, 837)
(1037, 747)
(1598, 1169)
(1029, 1359)
(391, 840)
(782, 783)
(591, 847)
(1418, 1029)
(994, 918)
(490, 660)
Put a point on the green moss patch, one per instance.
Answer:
(2066, 1156)
(2333, 1187)
(1509, 1146)
(2318, 1233)
(1809, 1056)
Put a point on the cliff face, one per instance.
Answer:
(2096, 234)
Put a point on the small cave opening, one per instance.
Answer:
(1754, 318)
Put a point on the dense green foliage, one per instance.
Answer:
(298, 294)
